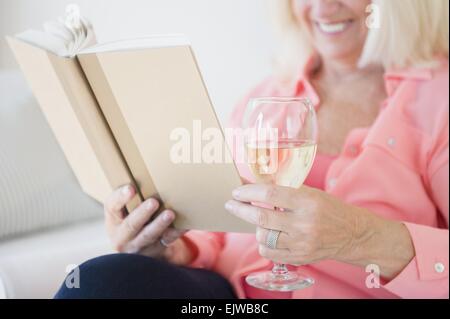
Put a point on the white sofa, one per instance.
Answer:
(46, 222)
(34, 265)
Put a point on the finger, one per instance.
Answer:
(283, 242)
(115, 203)
(152, 233)
(136, 220)
(258, 216)
(276, 255)
(171, 234)
(278, 196)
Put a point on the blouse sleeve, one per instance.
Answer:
(206, 247)
(426, 276)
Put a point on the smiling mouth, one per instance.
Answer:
(333, 28)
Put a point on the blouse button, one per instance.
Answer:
(391, 141)
(439, 267)
(332, 182)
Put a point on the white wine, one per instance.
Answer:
(284, 163)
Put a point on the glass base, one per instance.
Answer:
(269, 280)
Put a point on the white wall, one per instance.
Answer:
(232, 38)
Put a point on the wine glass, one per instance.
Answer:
(280, 146)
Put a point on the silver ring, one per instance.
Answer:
(272, 238)
(163, 242)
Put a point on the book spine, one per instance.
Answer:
(96, 128)
(117, 124)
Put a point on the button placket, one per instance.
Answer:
(354, 142)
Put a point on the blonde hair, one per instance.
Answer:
(410, 33)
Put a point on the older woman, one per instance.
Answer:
(377, 195)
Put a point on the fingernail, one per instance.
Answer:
(126, 190)
(229, 205)
(150, 204)
(167, 217)
(236, 193)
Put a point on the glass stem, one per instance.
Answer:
(279, 269)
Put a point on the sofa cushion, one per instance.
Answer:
(37, 187)
(35, 265)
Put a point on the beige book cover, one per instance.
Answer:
(72, 113)
(114, 110)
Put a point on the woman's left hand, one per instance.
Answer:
(314, 225)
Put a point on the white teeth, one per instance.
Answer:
(332, 27)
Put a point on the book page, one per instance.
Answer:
(65, 36)
(154, 41)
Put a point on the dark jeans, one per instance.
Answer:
(136, 276)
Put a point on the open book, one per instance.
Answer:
(113, 108)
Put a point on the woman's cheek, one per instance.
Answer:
(358, 7)
(301, 9)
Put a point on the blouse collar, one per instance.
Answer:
(302, 84)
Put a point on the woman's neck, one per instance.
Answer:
(345, 70)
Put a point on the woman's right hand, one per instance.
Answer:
(133, 233)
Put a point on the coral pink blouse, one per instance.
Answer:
(398, 168)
